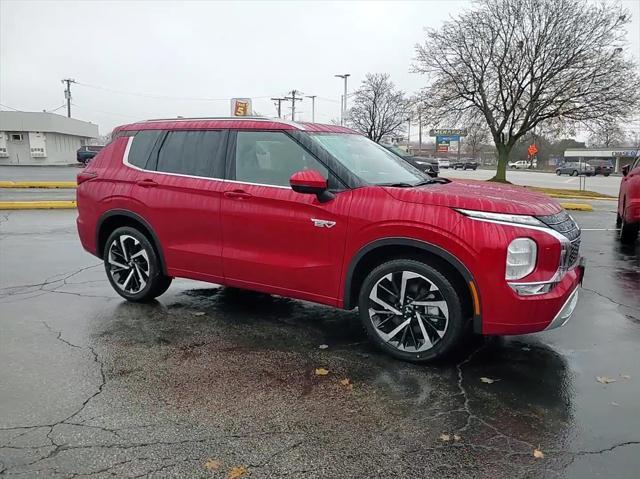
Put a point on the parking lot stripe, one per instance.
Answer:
(38, 184)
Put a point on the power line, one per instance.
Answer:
(159, 97)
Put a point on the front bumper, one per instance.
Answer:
(532, 314)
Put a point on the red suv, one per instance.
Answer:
(321, 213)
(629, 203)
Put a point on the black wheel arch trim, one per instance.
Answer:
(425, 246)
(139, 219)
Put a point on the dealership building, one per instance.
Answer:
(618, 156)
(40, 138)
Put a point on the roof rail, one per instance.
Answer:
(180, 118)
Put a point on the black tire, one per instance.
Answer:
(606, 174)
(440, 287)
(618, 220)
(574, 173)
(629, 231)
(558, 172)
(156, 282)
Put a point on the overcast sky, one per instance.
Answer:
(170, 55)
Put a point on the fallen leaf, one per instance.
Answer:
(538, 454)
(212, 465)
(321, 372)
(445, 437)
(199, 313)
(605, 380)
(615, 404)
(488, 380)
(323, 346)
(237, 472)
(625, 376)
(346, 382)
(456, 437)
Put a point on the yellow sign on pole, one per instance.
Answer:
(241, 107)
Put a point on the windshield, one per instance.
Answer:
(398, 151)
(368, 160)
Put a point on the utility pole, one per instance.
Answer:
(279, 100)
(293, 99)
(343, 113)
(420, 131)
(313, 107)
(409, 136)
(67, 94)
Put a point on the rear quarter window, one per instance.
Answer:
(142, 146)
(193, 153)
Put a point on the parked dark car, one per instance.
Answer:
(465, 164)
(575, 168)
(429, 166)
(601, 167)
(86, 153)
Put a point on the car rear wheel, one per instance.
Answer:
(411, 311)
(574, 173)
(133, 267)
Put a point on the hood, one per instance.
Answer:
(479, 195)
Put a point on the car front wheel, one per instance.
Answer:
(411, 311)
(132, 266)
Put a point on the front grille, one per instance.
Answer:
(564, 224)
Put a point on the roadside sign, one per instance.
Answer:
(448, 131)
(447, 143)
(533, 149)
(241, 107)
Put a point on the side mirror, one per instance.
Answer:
(625, 170)
(311, 182)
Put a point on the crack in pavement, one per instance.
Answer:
(62, 278)
(598, 293)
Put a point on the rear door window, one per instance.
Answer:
(192, 153)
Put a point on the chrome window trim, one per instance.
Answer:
(125, 161)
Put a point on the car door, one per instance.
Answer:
(275, 239)
(179, 190)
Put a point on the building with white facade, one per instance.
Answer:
(618, 156)
(36, 138)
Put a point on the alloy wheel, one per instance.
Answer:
(128, 264)
(408, 311)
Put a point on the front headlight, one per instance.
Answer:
(521, 258)
(502, 217)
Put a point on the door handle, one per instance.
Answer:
(147, 183)
(237, 194)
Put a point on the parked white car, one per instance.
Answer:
(443, 163)
(522, 165)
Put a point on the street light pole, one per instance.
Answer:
(343, 113)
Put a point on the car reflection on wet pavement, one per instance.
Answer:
(92, 386)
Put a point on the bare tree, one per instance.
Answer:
(606, 135)
(518, 64)
(477, 135)
(379, 109)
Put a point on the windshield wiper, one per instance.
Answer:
(431, 181)
(396, 185)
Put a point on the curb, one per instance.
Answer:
(577, 206)
(583, 198)
(38, 184)
(37, 205)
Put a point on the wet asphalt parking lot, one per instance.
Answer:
(209, 379)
